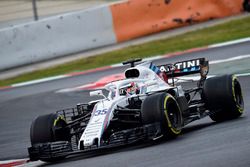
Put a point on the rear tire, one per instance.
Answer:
(223, 97)
(163, 108)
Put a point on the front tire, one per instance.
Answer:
(163, 108)
(49, 128)
(223, 97)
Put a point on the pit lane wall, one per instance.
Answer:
(74, 32)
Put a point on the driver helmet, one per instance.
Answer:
(133, 89)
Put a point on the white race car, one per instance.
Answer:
(147, 105)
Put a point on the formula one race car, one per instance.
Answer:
(147, 105)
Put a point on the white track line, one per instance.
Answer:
(229, 59)
(229, 43)
(243, 75)
(152, 58)
(11, 161)
(39, 81)
(33, 164)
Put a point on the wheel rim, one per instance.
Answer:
(238, 98)
(173, 115)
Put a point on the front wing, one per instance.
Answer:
(61, 149)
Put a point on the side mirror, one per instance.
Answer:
(97, 93)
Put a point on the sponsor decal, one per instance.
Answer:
(185, 66)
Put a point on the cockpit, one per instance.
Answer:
(138, 80)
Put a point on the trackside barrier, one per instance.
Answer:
(135, 18)
(56, 36)
(78, 31)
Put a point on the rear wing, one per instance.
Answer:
(187, 67)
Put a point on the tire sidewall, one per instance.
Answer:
(43, 129)
(220, 97)
(168, 127)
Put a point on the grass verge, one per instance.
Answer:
(224, 32)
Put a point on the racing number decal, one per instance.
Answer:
(101, 112)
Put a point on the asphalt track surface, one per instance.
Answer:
(203, 143)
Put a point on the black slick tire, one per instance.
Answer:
(223, 97)
(49, 128)
(163, 108)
